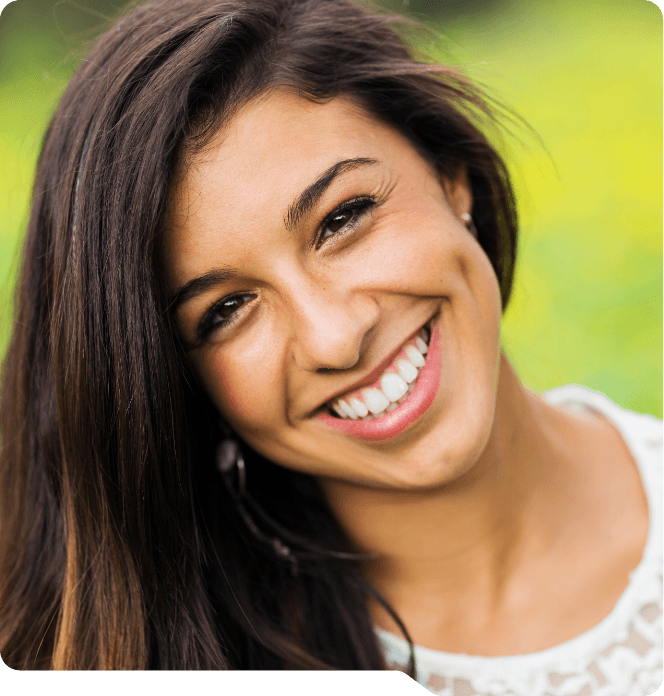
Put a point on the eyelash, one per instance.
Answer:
(208, 325)
(359, 207)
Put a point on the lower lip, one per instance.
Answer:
(393, 423)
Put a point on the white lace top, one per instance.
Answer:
(621, 655)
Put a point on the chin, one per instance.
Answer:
(441, 466)
(450, 451)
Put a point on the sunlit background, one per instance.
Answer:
(586, 75)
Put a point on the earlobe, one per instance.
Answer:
(469, 224)
(461, 199)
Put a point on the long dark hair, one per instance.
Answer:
(121, 547)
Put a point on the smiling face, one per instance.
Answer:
(316, 258)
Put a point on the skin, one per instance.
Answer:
(482, 510)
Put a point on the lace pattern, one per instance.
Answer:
(620, 656)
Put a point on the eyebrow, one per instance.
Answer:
(312, 194)
(296, 211)
(199, 285)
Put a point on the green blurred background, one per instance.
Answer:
(586, 75)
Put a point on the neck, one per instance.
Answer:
(466, 536)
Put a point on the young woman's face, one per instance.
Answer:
(311, 251)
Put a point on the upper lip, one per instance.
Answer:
(375, 373)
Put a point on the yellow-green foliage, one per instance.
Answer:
(586, 75)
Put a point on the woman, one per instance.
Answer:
(255, 413)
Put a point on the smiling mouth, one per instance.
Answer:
(391, 389)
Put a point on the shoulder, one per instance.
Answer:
(642, 433)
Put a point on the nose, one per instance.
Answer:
(329, 327)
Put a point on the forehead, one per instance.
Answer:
(280, 133)
(259, 162)
(291, 119)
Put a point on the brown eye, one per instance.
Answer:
(228, 307)
(338, 221)
(221, 314)
(346, 218)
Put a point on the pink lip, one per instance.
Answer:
(395, 422)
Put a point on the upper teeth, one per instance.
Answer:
(394, 386)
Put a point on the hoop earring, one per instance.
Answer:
(229, 457)
(470, 225)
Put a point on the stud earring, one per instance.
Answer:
(470, 225)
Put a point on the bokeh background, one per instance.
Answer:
(585, 75)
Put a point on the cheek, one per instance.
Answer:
(435, 256)
(426, 257)
(246, 384)
(480, 274)
(418, 245)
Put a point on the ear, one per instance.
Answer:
(459, 194)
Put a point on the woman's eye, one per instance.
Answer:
(345, 218)
(223, 313)
(228, 307)
(338, 221)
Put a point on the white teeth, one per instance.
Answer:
(393, 386)
(347, 409)
(375, 400)
(359, 407)
(414, 356)
(407, 370)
